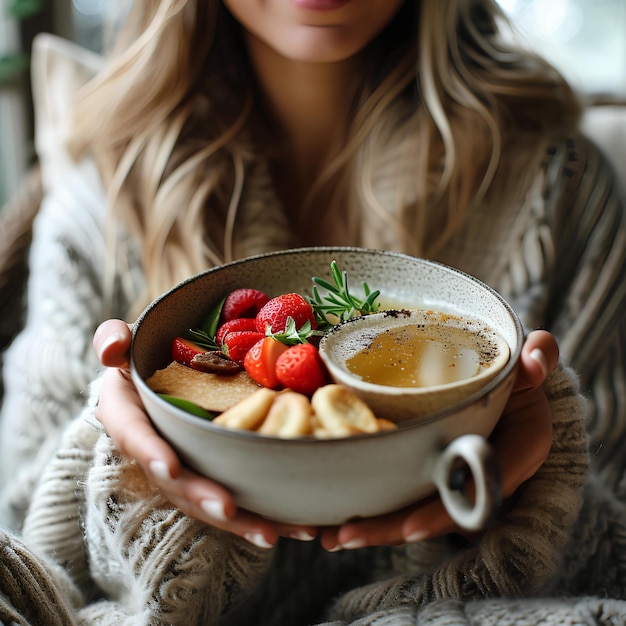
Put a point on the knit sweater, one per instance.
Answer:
(100, 546)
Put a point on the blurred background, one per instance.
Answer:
(585, 39)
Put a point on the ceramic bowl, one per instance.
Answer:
(451, 357)
(328, 482)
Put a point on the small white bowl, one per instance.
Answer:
(327, 482)
(488, 352)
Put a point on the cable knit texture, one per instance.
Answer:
(99, 546)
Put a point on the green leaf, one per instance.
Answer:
(203, 339)
(338, 304)
(187, 405)
(205, 335)
(293, 335)
(211, 320)
(13, 66)
(23, 9)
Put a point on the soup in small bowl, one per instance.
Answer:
(410, 363)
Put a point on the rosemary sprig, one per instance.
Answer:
(338, 304)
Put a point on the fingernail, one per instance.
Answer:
(259, 540)
(336, 548)
(214, 509)
(354, 544)
(98, 331)
(108, 342)
(538, 356)
(417, 535)
(159, 469)
(302, 535)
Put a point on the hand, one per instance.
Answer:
(521, 441)
(122, 414)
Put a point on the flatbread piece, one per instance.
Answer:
(213, 392)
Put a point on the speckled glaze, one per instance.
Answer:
(326, 482)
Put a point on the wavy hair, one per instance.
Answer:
(171, 121)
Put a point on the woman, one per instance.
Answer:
(392, 124)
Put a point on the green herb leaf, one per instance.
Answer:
(205, 335)
(292, 335)
(187, 405)
(211, 321)
(338, 304)
(203, 339)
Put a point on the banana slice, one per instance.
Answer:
(341, 412)
(249, 412)
(385, 424)
(289, 416)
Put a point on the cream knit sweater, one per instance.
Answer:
(100, 546)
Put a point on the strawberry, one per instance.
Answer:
(243, 303)
(239, 323)
(235, 344)
(184, 350)
(276, 311)
(301, 369)
(260, 361)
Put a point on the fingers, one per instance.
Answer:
(540, 355)
(257, 530)
(111, 342)
(522, 438)
(123, 416)
(424, 520)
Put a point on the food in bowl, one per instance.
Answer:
(332, 411)
(249, 339)
(423, 354)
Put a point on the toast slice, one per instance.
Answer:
(213, 392)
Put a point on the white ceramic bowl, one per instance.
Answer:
(327, 482)
(488, 352)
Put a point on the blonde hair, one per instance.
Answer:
(168, 123)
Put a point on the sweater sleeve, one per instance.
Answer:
(587, 307)
(50, 363)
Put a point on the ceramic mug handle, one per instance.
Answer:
(479, 457)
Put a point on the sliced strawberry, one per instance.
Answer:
(237, 343)
(260, 361)
(184, 350)
(240, 323)
(301, 368)
(276, 311)
(243, 303)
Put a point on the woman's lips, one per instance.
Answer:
(320, 5)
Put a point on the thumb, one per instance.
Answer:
(111, 342)
(540, 355)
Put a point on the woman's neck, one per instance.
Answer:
(309, 103)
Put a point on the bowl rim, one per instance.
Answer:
(409, 424)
